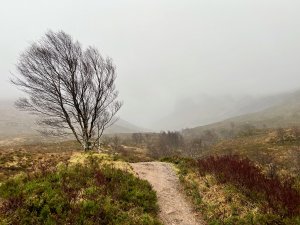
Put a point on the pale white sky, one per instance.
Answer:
(167, 50)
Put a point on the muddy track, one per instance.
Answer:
(174, 208)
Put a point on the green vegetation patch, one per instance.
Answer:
(78, 194)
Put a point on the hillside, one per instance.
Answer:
(18, 124)
(284, 113)
(206, 109)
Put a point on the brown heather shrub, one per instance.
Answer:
(282, 198)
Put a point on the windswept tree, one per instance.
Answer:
(72, 89)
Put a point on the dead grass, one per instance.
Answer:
(31, 157)
(28, 158)
(259, 148)
(104, 159)
(221, 201)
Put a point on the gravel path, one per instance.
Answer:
(174, 208)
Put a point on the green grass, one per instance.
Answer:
(78, 194)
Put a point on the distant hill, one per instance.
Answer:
(15, 123)
(204, 109)
(285, 112)
(123, 126)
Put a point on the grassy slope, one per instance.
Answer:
(264, 149)
(44, 184)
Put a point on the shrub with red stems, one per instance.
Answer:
(281, 197)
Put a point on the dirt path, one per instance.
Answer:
(174, 209)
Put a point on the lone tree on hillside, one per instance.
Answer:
(72, 89)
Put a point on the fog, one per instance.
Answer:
(167, 51)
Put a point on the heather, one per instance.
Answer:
(78, 194)
(232, 190)
(281, 197)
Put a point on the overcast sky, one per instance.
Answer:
(167, 50)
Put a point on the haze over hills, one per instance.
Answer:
(15, 123)
(283, 112)
(204, 110)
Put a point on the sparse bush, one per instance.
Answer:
(193, 148)
(246, 130)
(115, 143)
(209, 137)
(285, 136)
(137, 138)
(172, 140)
(164, 144)
(282, 198)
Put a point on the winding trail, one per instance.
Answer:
(174, 208)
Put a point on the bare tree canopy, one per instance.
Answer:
(72, 89)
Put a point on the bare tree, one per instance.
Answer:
(137, 138)
(115, 142)
(72, 89)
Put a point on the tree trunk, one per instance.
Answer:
(86, 144)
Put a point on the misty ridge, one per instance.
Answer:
(188, 113)
(205, 109)
(18, 124)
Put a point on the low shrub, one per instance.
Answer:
(226, 203)
(281, 197)
(78, 194)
